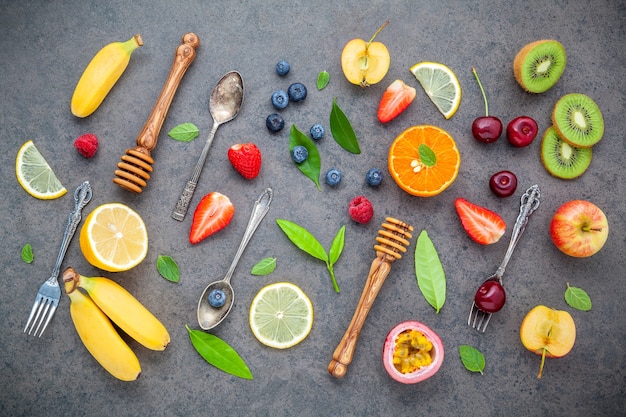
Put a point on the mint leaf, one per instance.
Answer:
(431, 278)
(27, 253)
(472, 358)
(185, 132)
(168, 268)
(577, 298)
(311, 166)
(322, 80)
(219, 353)
(427, 155)
(342, 131)
(264, 267)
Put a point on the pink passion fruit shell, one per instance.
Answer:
(423, 372)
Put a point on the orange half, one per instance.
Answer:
(424, 160)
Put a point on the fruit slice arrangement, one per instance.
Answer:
(440, 84)
(35, 175)
(92, 314)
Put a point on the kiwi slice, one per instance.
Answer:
(578, 120)
(562, 159)
(539, 65)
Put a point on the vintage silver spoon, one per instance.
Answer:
(224, 105)
(218, 297)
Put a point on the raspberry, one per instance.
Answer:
(361, 209)
(87, 145)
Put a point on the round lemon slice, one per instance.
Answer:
(114, 238)
(440, 84)
(281, 315)
(35, 175)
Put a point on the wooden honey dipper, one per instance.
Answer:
(393, 240)
(136, 165)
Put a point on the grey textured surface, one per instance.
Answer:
(44, 47)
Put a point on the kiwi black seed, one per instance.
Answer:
(562, 159)
(539, 65)
(578, 120)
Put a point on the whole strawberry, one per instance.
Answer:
(246, 159)
(87, 145)
(361, 209)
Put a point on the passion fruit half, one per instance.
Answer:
(412, 352)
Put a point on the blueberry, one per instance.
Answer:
(297, 92)
(299, 154)
(282, 68)
(374, 177)
(274, 122)
(317, 131)
(333, 177)
(280, 99)
(217, 298)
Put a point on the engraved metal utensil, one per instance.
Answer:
(224, 105)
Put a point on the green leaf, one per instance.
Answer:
(472, 358)
(303, 239)
(322, 80)
(431, 278)
(27, 253)
(185, 132)
(311, 166)
(168, 268)
(264, 267)
(427, 156)
(577, 298)
(218, 353)
(337, 246)
(342, 131)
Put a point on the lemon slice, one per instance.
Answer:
(35, 175)
(281, 315)
(441, 85)
(114, 238)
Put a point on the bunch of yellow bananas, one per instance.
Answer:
(92, 313)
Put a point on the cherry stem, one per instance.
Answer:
(482, 90)
(376, 34)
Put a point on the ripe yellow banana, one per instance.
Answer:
(123, 309)
(105, 68)
(100, 337)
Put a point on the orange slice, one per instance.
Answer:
(424, 160)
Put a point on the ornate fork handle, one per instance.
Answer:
(82, 196)
(529, 202)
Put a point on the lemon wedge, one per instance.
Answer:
(440, 84)
(35, 175)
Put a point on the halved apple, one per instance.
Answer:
(548, 332)
(365, 63)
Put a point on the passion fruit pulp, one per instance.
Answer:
(412, 352)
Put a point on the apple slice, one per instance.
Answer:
(365, 63)
(548, 332)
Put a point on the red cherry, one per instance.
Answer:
(521, 131)
(503, 183)
(490, 297)
(486, 129)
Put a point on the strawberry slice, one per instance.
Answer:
(482, 225)
(212, 214)
(246, 159)
(395, 100)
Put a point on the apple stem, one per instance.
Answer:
(482, 90)
(376, 34)
(543, 360)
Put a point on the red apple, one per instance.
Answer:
(579, 228)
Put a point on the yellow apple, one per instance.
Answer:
(579, 228)
(548, 332)
(365, 63)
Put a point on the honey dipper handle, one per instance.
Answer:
(185, 54)
(345, 350)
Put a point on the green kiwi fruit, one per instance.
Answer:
(562, 159)
(578, 120)
(539, 65)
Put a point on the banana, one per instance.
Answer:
(105, 68)
(100, 337)
(123, 309)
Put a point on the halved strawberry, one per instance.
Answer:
(395, 100)
(482, 225)
(213, 213)
(246, 159)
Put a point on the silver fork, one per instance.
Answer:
(49, 292)
(529, 202)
